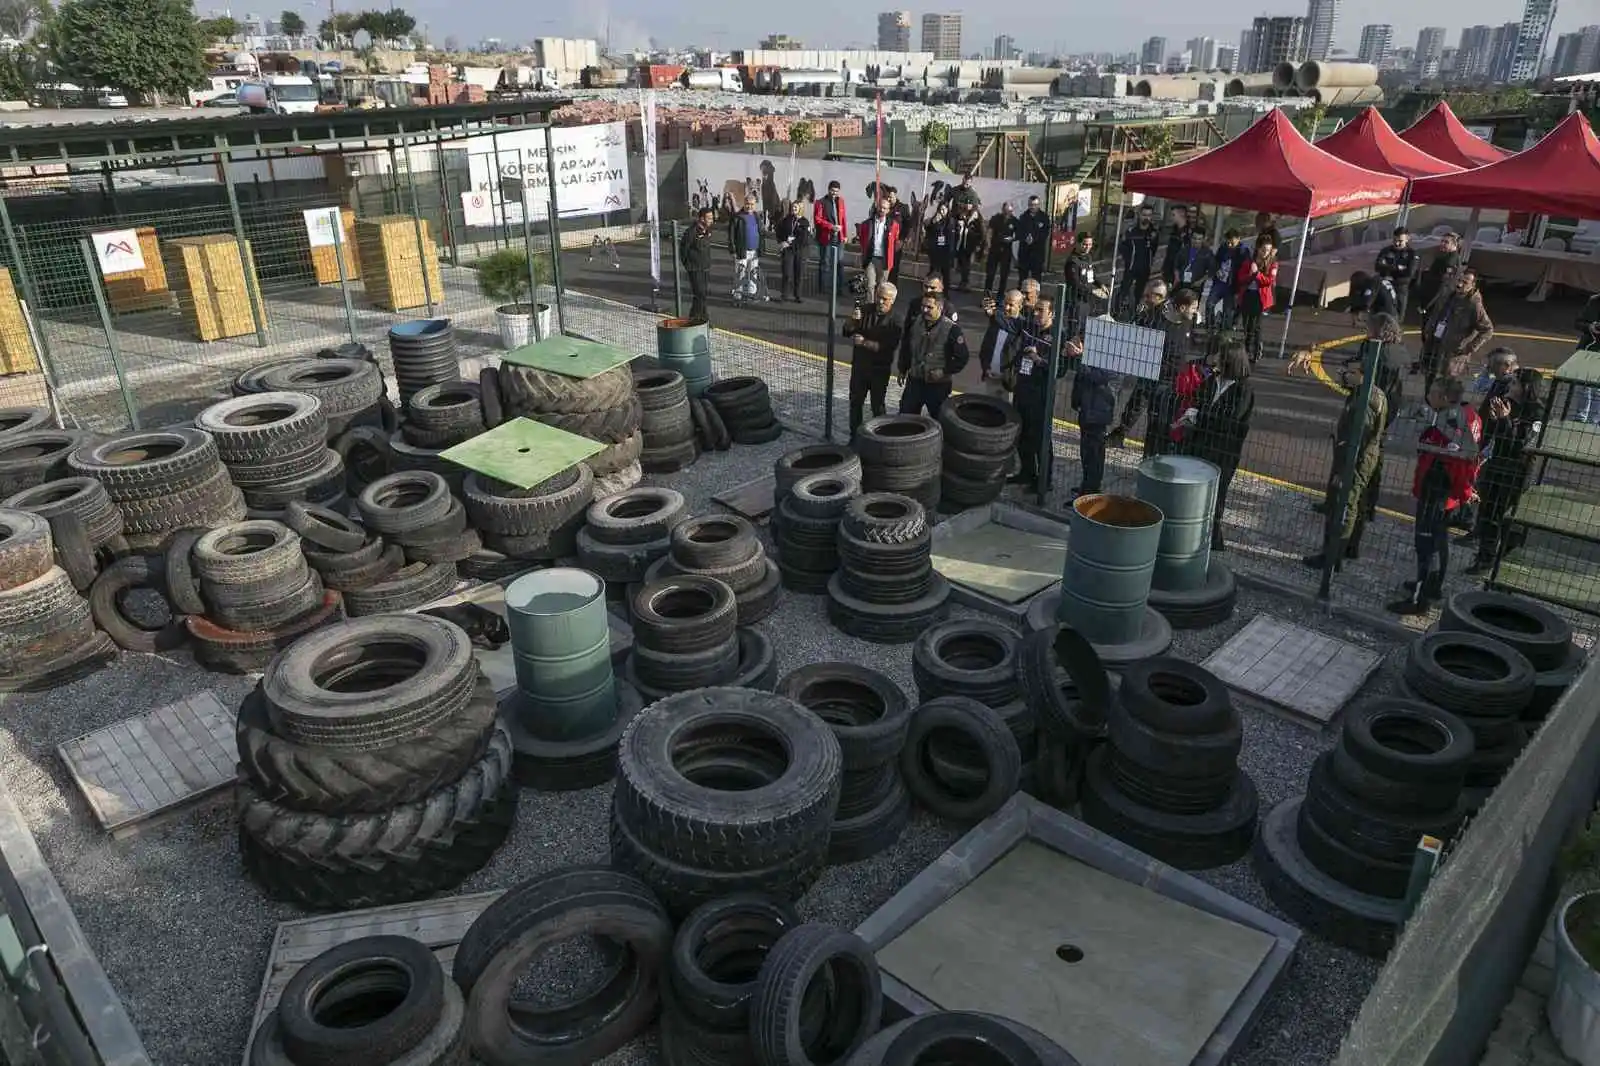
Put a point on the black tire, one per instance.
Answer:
(966, 466)
(911, 556)
(1072, 709)
(672, 424)
(41, 618)
(717, 954)
(409, 672)
(834, 459)
(988, 735)
(659, 389)
(861, 836)
(885, 589)
(1387, 835)
(444, 1045)
(492, 409)
(26, 551)
(335, 781)
(1466, 673)
(367, 456)
(669, 459)
(823, 497)
(527, 390)
(404, 503)
(1364, 873)
(885, 518)
(718, 425)
(681, 671)
(81, 497)
(700, 416)
(385, 562)
(76, 661)
(1408, 741)
(914, 480)
(248, 554)
(967, 657)
(810, 956)
(105, 604)
(760, 599)
(899, 441)
(531, 918)
(30, 459)
(495, 507)
(612, 425)
(979, 424)
(1173, 696)
(1187, 841)
(758, 661)
(795, 757)
(453, 409)
(866, 710)
(74, 550)
(616, 458)
(211, 503)
(227, 651)
(1058, 771)
(1211, 603)
(963, 1036)
(1411, 797)
(445, 548)
(323, 482)
(1164, 792)
(618, 563)
(957, 493)
(567, 765)
(899, 623)
(714, 541)
(638, 516)
(323, 527)
(23, 419)
(762, 434)
(346, 387)
(1177, 755)
(406, 853)
(804, 581)
(386, 994)
(1548, 685)
(265, 427)
(413, 585)
(145, 466)
(683, 614)
(1541, 635)
(745, 396)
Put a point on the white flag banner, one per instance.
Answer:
(647, 124)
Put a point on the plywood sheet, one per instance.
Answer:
(996, 560)
(571, 357)
(753, 499)
(523, 452)
(1113, 972)
(1292, 668)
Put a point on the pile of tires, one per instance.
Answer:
(350, 390)
(727, 548)
(603, 408)
(539, 524)
(1168, 783)
(372, 769)
(816, 964)
(253, 576)
(807, 530)
(790, 467)
(1543, 637)
(886, 590)
(709, 431)
(902, 454)
(686, 636)
(80, 500)
(980, 446)
(31, 457)
(47, 635)
(870, 717)
(666, 422)
(623, 535)
(1065, 684)
(960, 759)
(414, 512)
(744, 406)
(162, 480)
(275, 446)
(724, 790)
(979, 659)
(1338, 860)
(24, 419)
(443, 415)
(379, 998)
(423, 353)
(966, 1036)
(544, 918)
(1485, 683)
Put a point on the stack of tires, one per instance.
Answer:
(869, 716)
(623, 535)
(47, 636)
(372, 770)
(1022, 1043)
(23, 419)
(1169, 782)
(666, 422)
(162, 480)
(980, 446)
(31, 457)
(724, 790)
(253, 576)
(603, 408)
(351, 390)
(709, 429)
(961, 759)
(1486, 684)
(1338, 860)
(886, 590)
(686, 636)
(540, 524)
(346, 555)
(423, 353)
(811, 459)
(1066, 685)
(902, 454)
(275, 446)
(79, 499)
(415, 512)
(1543, 637)
(727, 548)
(807, 530)
(976, 658)
(443, 415)
(744, 406)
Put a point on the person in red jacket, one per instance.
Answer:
(876, 238)
(1252, 287)
(1447, 466)
(832, 227)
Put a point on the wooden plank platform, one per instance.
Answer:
(753, 499)
(1000, 561)
(137, 769)
(1290, 668)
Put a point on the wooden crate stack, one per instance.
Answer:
(141, 290)
(326, 263)
(390, 252)
(209, 278)
(16, 344)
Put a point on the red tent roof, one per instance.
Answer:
(1558, 176)
(1270, 167)
(1370, 142)
(1441, 135)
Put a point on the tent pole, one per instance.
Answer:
(1116, 239)
(1405, 207)
(1294, 288)
(1472, 228)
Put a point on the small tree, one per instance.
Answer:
(800, 135)
(1309, 119)
(138, 47)
(503, 278)
(934, 136)
(1159, 143)
(292, 24)
(222, 28)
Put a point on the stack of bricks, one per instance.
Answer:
(441, 86)
(679, 126)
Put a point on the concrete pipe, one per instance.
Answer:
(1333, 75)
(561, 648)
(1169, 88)
(1249, 85)
(1283, 76)
(1111, 557)
(684, 345)
(1371, 94)
(1185, 491)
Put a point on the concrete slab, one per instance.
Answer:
(999, 557)
(1288, 669)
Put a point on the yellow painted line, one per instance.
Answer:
(1321, 374)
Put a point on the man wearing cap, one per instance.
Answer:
(1397, 264)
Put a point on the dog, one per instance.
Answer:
(486, 628)
(1300, 362)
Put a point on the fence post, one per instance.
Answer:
(502, 227)
(677, 278)
(1047, 443)
(92, 265)
(344, 275)
(29, 293)
(555, 229)
(527, 251)
(446, 216)
(833, 331)
(258, 313)
(416, 225)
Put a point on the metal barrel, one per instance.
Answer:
(561, 648)
(1184, 489)
(684, 345)
(1111, 553)
(424, 353)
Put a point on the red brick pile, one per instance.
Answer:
(444, 89)
(698, 127)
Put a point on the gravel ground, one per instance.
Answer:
(184, 936)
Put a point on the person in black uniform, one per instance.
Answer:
(967, 237)
(1031, 396)
(793, 233)
(1439, 276)
(1033, 241)
(875, 332)
(1180, 241)
(694, 254)
(1397, 264)
(1136, 251)
(1511, 414)
(1002, 231)
(899, 211)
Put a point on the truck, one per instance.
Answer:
(280, 94)
(724, 78)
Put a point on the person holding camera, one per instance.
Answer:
(874, 331)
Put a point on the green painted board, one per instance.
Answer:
(1561, 510)
(522, 452)
(1552, 577)
(1572, 442)
(1582, 369)
(996, 560)
(573, 357)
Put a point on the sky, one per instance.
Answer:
(729, 24)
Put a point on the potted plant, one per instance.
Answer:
(504, 279)
(1574, 1006)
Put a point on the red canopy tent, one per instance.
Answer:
(1558, 176)
(1441, 135)
(1371, 143)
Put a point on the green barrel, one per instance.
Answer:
(561, 647)
(1111, 554)
(1184, 489)
(684, 345)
